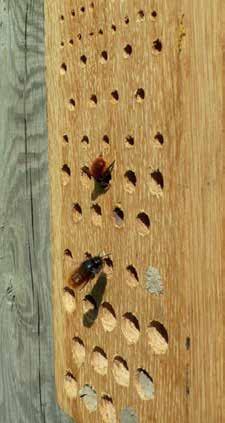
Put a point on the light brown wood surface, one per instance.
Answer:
(184, 89)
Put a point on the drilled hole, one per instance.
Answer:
(157, 46)
(143, 223)
(70, 385)
(65, 138)
(66, 172)
(89, 396)
(159, 139)
(118, 216)
(104, 56)
(127, 50)
(126, 20)
(132, 278)
(99, 361)
(107, 410)
(83, 59)
(129, 141)
(113, 27)
(96, 215)
(78, 351)
(73, 12)
(144, 385)
(85, 140)
(140, 15)
(71, 104)
(76, 213)
(154, 14)
(68, 253)
(130, 328)
(158, 337)
(140, 95)
(63, 69)
(105, 138)
(93, 100)
(115, 96)
(120, 371)
(108, 317)
(154, 283)
(68, 299)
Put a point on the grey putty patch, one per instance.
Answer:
(128, 415)
(154, 283)
(89, 396)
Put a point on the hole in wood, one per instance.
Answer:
(143, 223)
(69, 301)
(108, 317)
(104, 57)
(83, 60)
(157, 46)
(130, 328)
(71, 104)
(140, 15)
(76, 213)
(129, 140)
(144, 385)
(118, 217)
(93, 100)
(156, 184)
(65, 138)
(120, 371)
(115, 96)
(140, 95)
(78, 351)
(107, 410)
(159, 139)
(89, 397)
(96, 215)
(85, 140)
(66, 172)
(132, 278)
(127, 51)
(130, 181)
(157, 337)
(70, 385)
(99, 361)
(63, 69)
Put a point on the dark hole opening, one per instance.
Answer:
(158, 178)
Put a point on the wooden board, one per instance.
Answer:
(27, 388)
(140, 82)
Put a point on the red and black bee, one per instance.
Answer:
(100, 172)
(87, 271)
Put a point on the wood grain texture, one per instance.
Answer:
(183, 100)
(27, 388)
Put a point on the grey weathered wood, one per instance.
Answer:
(27, 389)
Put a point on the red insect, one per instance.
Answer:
(100, 172)
(87, 271)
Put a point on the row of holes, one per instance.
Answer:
(104, 56)
(140, 15)
(156, 333)
(93, 100)
(129, 139)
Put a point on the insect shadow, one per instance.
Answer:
(95, 297)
